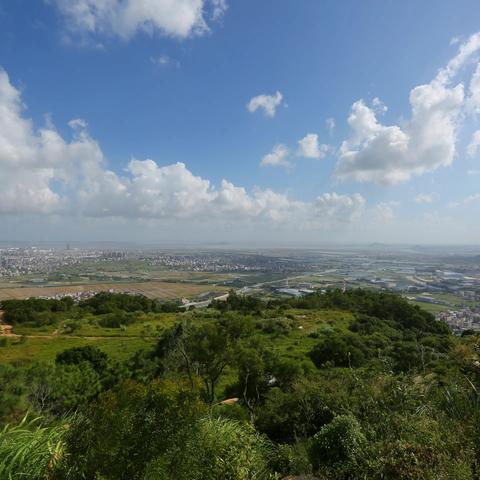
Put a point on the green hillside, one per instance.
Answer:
(354, 385)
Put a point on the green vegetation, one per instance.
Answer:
(339, 386)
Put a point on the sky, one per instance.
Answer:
(275, 122)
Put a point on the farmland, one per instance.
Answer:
(151, 289)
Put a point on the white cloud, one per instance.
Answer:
(384, 212)
(42, 173)
(379, 106)
(425, 198)
(125, 18)
(392, 154)
(278, 157)
(268, 103)
(330, 124)
(31, 161)
(474, 198)
(473, 101)
(332, 207)
(474, 144)
(161, 60)
(310, 147)
(219, 7)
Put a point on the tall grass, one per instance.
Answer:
(29, 450)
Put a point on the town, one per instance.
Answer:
(445, 282)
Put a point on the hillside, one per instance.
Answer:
(351, 385)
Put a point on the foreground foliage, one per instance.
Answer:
(341, 386)
(30, 451)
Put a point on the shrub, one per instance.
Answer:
(340, 350)
(74, 356)
(221, 449)
(339, 446)
(126, 429)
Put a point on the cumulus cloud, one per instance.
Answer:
(43, 173)
(310, 147)
(125, 18)
(389, 154)
(278, 157)
(267, 103)
(32, 160)
(425, 198)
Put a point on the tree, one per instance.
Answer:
(341, 351)
(127, 428)
(75, 356)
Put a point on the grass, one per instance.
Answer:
(46, 349)
(298, 343)
(43, 343)
(30, 451)
(432, 307)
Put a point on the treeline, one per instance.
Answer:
(383, 305)
(38, 312)
(35, 311)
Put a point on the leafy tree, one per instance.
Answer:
(128, 428)
(77, 355)
(203, 351)
(340, 351)
(62, 388)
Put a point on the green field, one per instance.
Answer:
(45, 349)
(43, 343)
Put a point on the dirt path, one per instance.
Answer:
(5, 330)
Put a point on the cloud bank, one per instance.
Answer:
(43, 173)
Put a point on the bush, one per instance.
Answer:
(128, 428)
(221, 449)
(117, 320)
(339, 446)
(339, 350)
(105, 302)
(276, 326)
(75, 356)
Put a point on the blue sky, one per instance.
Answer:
(157, 82)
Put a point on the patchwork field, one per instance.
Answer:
(160, 290)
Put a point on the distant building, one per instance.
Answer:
(293, 292)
